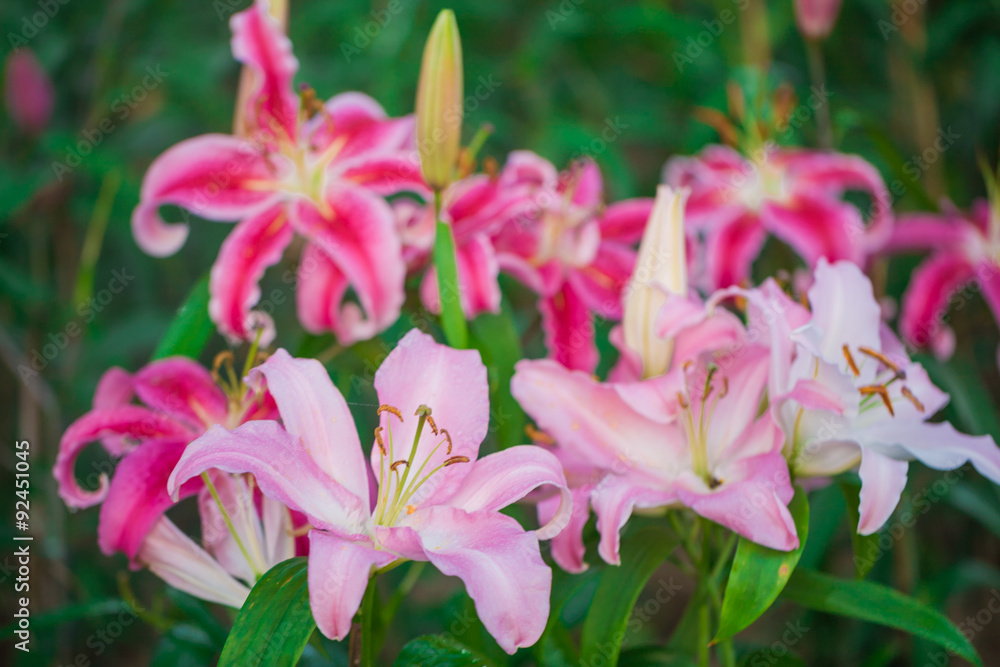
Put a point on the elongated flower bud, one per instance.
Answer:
(439, 102)
(28, 92)
(815, 18)
(662, 263)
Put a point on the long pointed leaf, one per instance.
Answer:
(191, 328)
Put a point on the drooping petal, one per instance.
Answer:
(478, 289)
(362, 250)
(453, 384)
(625, 221)
(132, 421)
(927, 297)
(254, 244)
(283, 469)
(600, 283)
(882, 482)
(567, 547)
(845, 311)
(338, 576)
(259, 43)
(174, 557)
(137, 496)
(315, 412)
(569, 329)
(498, 561)
(215, 176)
(183, 389)
(613, 501)
(502, 478)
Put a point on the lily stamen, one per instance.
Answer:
(882, 392)
(378, 440)
(455, 459)
(391, 410)
(537, 435)
(913, 399)
(398, 463)
(447, 437)
(850, 361)
(881, 357)
(430, 422)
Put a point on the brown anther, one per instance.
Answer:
(410, 509)
(400, 462)
(311, 104)
(714, 482)
(537, 435)
(378, 440)
(850, 361)
(687, 365)
(725, 387)
(908, 395)
(430, 422)
(456, 459)
(490, 167)
(391, 410)
(680, 399)
(881, 357)
(447, 436)
(226, 356)
(882, 392)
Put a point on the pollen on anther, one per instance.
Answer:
(882, 392)
(430, 422)
(447, 436)
(680, 399)
(538, 435)
(410, 509)
(378, 440)
(400, 462)
(391, 410)
(725, 387)
(881, 357)
(912, 399)
(850, 361)
(456, 459)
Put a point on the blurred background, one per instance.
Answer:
(618, 81)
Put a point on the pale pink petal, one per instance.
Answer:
(315, 412)
(174, 557)
(137, 496)
(600, 284)
(845, 311)
(218, 539)
(215, 176)
(278, 524)
(928, 295)
(882, 482)
(498, 561)
(182, 389)
(478, 289)
(135, 422)
(453, 384)
(339, 570)
(283, 470)
(626, 220)
(502, 478)
(254, 244)
(259, 43)
(567, 547)
(613, 501)
(569, 330)
(359, 239)
(813, 395)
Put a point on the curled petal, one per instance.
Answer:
(613, 501)
(882, 482)
(184, 390)
(928, 295)
(568, 549)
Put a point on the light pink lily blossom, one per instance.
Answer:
(794, 195)
(847, 395)
(965, 254)
(577, 254)
(308, 169)
(179, 401)
(433, 502)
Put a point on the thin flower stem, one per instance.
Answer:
(229, 524)
(368, 648)
(817, 71)
(452, 317)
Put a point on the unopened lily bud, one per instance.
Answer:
(662, 264)
(28, 92)
(439, 102)
(815, 18)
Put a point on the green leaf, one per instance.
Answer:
(866, 549)
(275, 622)
(878, 604)
(497, 339)
(654, 656)
(767, 656)
(759, 574)
(617, 592)
(191, 328)
(452, 317)
(438, 651)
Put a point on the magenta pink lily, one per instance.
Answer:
(434, 500)
(318, 171)
(965, 253)
(181, 401)
(570, 249)
(794, 195)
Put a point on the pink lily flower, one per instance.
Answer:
(691, 437)
(965, 250)
(181, 401)
(846, 395)
(433, 502)
(318, 171)
(28, 91)
(575, 253)
(476, 207)
(793, 194)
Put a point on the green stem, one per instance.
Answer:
(229, 524)
(94, 239)
(817, 72)
(368, 649)
(452, 317)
